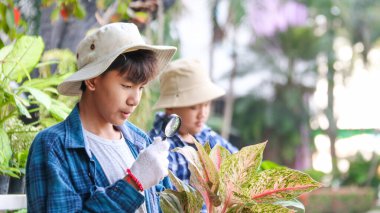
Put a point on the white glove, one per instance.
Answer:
(151, 166)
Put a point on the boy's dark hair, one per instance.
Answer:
(141, 66)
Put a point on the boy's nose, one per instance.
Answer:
(133, 99)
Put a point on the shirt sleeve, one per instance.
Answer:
(50, 189)
(178, 165)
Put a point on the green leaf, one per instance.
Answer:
(258, 207)
(278, 184)
(207, 147)
(10, 18)
(47, 63)
(40, 96)
(22, 157)
(5, 148)
(3, 53)
(42, 83)
(23, 58)
(9, 171)
(21, 105)
(79, 11)
(59, 110)
(293, 203)
(54, 15)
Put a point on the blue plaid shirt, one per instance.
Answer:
(63, 176)
(178, 163)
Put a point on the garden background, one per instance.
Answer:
(301, 74)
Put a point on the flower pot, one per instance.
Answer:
(4, 184)
(16, 185)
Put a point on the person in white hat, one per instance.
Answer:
(95, 160)
(186, 90)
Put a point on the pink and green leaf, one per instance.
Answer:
(191, 156)
(174, 201)
(237, 169)
(278, 184)
(169, 202)
(178, 184)
(207, 147)
(210, 173)
(235, 183)
(185, 199)
(204, 176)
(218, 154)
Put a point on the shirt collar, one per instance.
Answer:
(75, 132)
(76, 135)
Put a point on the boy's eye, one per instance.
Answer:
(125, 86)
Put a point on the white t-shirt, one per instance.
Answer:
(114, 157)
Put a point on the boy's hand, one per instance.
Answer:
(151, 166)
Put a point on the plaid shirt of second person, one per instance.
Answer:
(177, 162)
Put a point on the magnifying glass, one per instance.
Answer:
(171, 125)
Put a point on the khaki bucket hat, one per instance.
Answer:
(185, 82)
(97, 51)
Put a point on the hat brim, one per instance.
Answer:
(197, 95)
(71, 85)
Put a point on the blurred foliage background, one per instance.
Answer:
(293, 47)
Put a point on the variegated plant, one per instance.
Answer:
(235, 183)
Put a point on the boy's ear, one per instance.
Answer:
(169, 110)
(90, 84)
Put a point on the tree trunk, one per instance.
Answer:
(372, 169)
(161, 22)
(214, 39)
(303, 156)
(229, 99)
(332, 129)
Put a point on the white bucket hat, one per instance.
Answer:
(185, 82)
(97, 51)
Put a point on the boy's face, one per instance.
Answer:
(115, 98)
(193, 117)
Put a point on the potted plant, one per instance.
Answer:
(18, 91)
(18, 59)
(5, 169)
(21, 137)
(235, 183)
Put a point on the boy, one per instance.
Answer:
(186, 90)
(95, 160)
